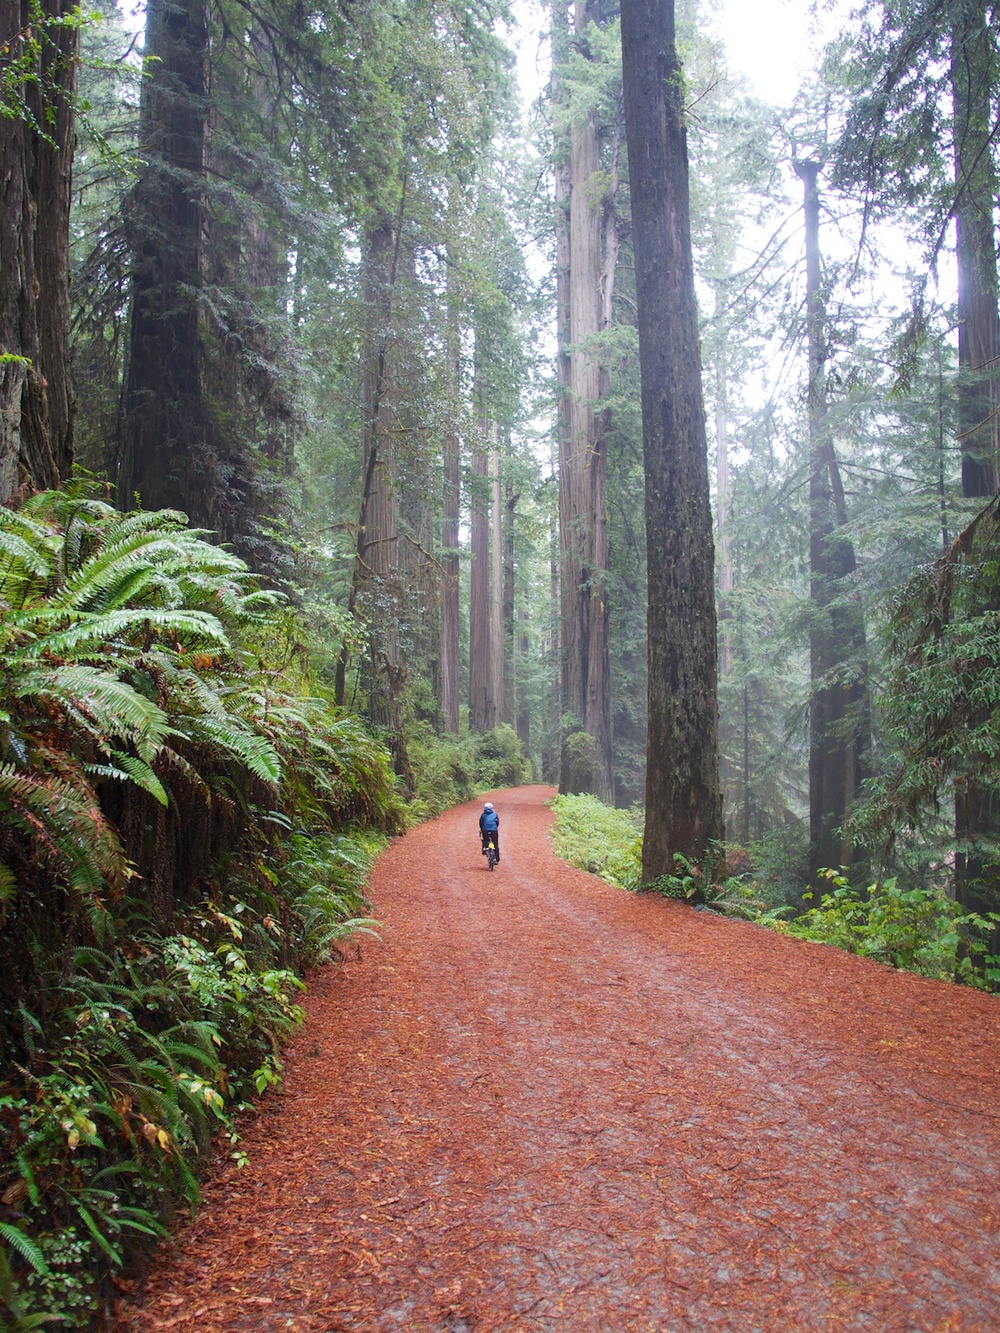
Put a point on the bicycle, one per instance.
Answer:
(491, 856)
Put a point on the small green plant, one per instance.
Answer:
(687, 882)
(918, 929)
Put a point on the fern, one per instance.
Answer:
(252, 750)
(139, 772)
(94, 631)
(97, 701)
(68, 826)
(25, 1247)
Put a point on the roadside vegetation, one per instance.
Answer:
(183, 830)
(367, 349)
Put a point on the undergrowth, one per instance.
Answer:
(451, 769)
(184, 828)
(597, 838)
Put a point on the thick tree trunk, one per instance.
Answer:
(683, 802)
(166, 457)
(838, 722)
(587, 293)
(496, 581)
(374, 587)
(973, 84)
(36, 413)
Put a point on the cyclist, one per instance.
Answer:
(489, 829)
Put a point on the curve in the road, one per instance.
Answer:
(543, 1103)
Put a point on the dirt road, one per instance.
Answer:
(542, 1103)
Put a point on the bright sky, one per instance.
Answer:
(772, 42)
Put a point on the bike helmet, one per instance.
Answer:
(488, 806)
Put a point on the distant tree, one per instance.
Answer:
(838, 704)
(683, 800)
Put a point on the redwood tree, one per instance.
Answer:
(587, 251)
(165, 459)
(683, 800)
(974, 80)
(37, 130)
(838, 716)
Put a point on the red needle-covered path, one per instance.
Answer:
(541, 1103)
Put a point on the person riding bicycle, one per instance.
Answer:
(489, 829)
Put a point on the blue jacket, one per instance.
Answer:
(489, 821)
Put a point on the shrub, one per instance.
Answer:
(451, 769)
(597, 838)
(500, 759)
(918, 929)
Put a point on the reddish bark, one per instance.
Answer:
(36, 164)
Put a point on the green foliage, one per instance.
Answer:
(174, 847)
(35, 70)
(599, 839)
(919, 930)
(500, 760)
(156, 1043)
(326, 874)
(940, 708)
(451, 769)
(687, 883)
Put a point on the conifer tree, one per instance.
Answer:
(683, 800)
(838, 721)
(37, 138)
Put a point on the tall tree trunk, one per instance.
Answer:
(166, 459)
(448, 655)
(582, 467)
(575, 514)
(482, 714)
(838, 723)
(973, 85)
(513, 646)
(36, 413)
(496, 580)
(374, 590)
(378, 539)
(683, 801)
(724, 560)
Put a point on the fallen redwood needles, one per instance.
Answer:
(542, 1102)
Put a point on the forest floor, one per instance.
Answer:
(541, 1103)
